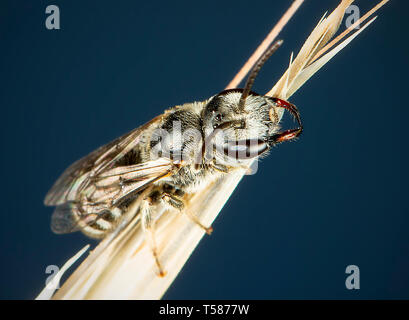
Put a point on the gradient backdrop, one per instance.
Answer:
(336, 197)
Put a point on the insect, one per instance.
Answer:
(175, 154)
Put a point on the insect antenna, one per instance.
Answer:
(254, 72)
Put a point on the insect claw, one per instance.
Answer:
(162, 273)
(209, 230)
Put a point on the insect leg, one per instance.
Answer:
(149, 231)
(194, 219)
(177, 202)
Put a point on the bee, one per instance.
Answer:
(169, 158)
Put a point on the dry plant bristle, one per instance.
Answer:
(265, 44)
(316, 46)
(351, 28)
(50, 288)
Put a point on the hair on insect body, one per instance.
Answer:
(168, 158)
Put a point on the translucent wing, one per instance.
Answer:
(106, 195)
(92, 191)
(76, 176)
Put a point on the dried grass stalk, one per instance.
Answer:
(122, 266)
(265, 44)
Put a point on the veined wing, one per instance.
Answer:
(76, 177)
(102, 200)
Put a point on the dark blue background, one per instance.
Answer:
(336, 197)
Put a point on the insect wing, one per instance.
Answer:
(112, 186)
(97, 174)
(77, 176)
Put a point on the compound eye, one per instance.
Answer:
(245, 149)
